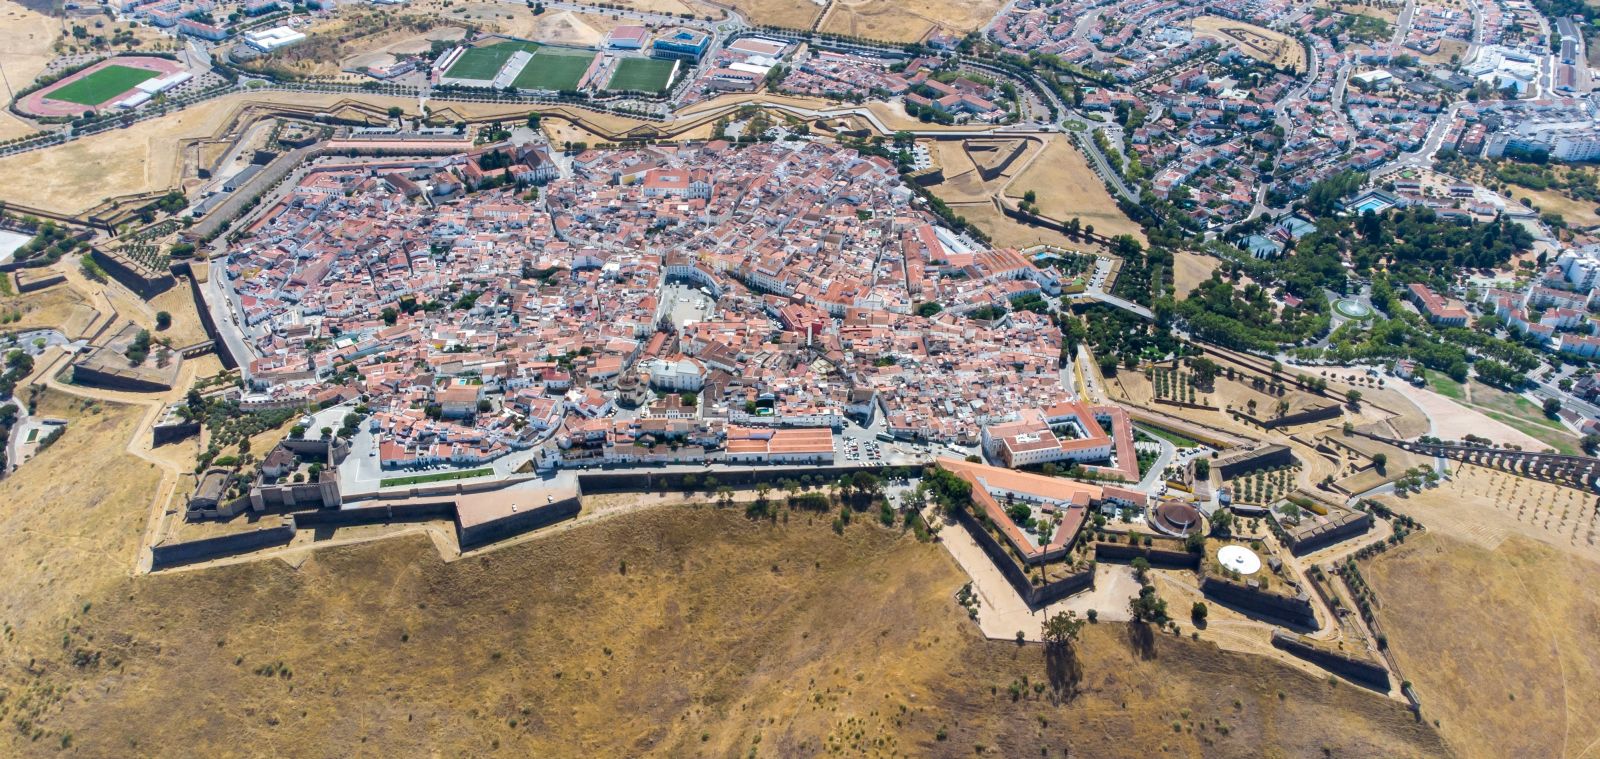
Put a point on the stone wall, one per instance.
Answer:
(404, 512)
(162, 434)
(1161, 559)
(188, 552)
(30, 283)
(522, 521)
(1295, 610)
(220, 345)
(145, 282)
(648, 481)
(1302, 541)
(1033, 595)
(1362, 671)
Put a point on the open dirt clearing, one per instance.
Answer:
(1453, 421)
(1067, 188)
(907, 20)
(1498, 643)
(557, 27)
(676, 631)
(1258, 42)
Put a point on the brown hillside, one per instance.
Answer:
(722, 636)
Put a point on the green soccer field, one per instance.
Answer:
(485, 62)
(102, 85)
(554, 68)
(641, 74)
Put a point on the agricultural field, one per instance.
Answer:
(554, 68)
(1498, 640)
(641, 74)
(102, 85)
(710, 634)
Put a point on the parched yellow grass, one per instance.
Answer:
(71, 518)
(1577, 213)
(179, 303)
(26, 37)
(1486, 507)
(1067, 188)
(141, 158)
(676, 631)
(794, 14)
(1277, 48)
(559, 27)
(1189, 269)
(60, 307)
(1499, 643)
(907, 20)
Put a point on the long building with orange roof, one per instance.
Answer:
(1061, 503)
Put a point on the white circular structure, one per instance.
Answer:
(1239, 559)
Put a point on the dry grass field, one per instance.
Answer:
(1577, 213)
(558, 27)
(1486, 507)
(1067, 188)
(907, 20)
(1258, 42)
(675, 632)
(1189, 269)
(1499, 643)
(140, 158)
(794, 14)
(61, 307)
(26, 38)
(71, 520)
(179, 302)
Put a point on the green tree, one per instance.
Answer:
(1552, 407)
(1062, 629)
(163, 320)
(1141, 569)
(1148, 607)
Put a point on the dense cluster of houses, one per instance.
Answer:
(476, 323)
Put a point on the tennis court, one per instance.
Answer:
(102, 85)
(554, 68)
(641, 74)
